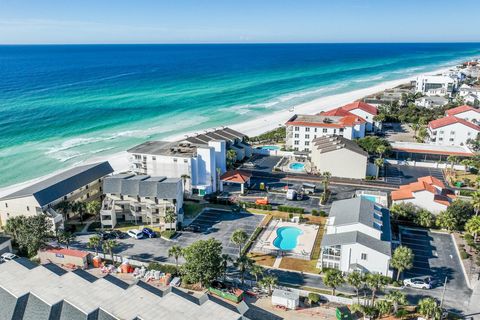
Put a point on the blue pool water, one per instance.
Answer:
(371, 198)
(297, 166)
(287, 238)
(270, 148)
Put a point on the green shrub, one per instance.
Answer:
(291, 209)
(313, 297)
(166, 268)
(168, 234)
(464, 255)
(370, 178)
(315, 213)
(466, 193)
(323, 214)
(401, 314)
(290, 215)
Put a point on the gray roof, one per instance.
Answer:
(39, 293)
(62, 184)
(332, 143)
(227, 134)
(165, 148)
(285, 294)
(356, 237)
(143, 186)
(364, 211)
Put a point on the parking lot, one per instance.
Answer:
(435, 256)
(213, 224)
(403, 174)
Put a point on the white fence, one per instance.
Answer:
(437, 165)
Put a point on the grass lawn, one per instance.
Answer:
(299, 265)
(262, 258)
(463, 176)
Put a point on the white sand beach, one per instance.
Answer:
(119, 161)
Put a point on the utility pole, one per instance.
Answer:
(443, 293)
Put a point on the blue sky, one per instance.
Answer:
(202, 21)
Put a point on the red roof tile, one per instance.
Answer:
(236, 176)
(460, 109)
(362, 106)
(432, 180)
(68, 252)
(424, 183)
(339, 112)
(448, 120)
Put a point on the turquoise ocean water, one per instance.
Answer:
(61, 105)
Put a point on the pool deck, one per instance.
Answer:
(305, 241)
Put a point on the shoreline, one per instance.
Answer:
(119, 161)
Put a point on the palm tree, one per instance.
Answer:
(381, 149)
(473, 226)
(326, 180)
(108, 246)
(226, 259)
(239, 237)
(80, 208)
(93, 208)
(94, 242)
(170, 217)
(415, 127)
(184, 179)
(357, 281)
(64, 207)
(375, 282)
(231, 158)
(175, 252)
(379, 162)
(243, 264)
(422, 134)
(429, 308)
(476, 201)
(65, 238)
(268, 282)
(13, 226)
(402, 259)
(333, 278)
(453, 160)
(256, 271)
(397, 298)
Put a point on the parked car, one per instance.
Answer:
(419, 282)
(135, 233)
(291, 194)
(192, 228)
(149, 233)
(7, 256)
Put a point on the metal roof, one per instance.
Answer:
(352, 237)
(39, 293)
(332, 143)
(143, 186)
(53, 188)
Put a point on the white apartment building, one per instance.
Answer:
(141, 199)
(82, 183)
(357, 237)
(428, 193)
(436, 85)
(466, 113)
(365, 111)
(339, 156)
(303, 129)
(451, 131)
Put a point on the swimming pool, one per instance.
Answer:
(287, 238)
(270, 148)
(371, 198)
(297, 166)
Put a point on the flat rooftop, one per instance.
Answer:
(165, 148)
(415, 147)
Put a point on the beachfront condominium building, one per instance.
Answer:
(339, 156)
(365, 111)
(436, 85)
(200, 160)
(141, 199)
(303, 129)
(451, 131)
(357, 237)
(428, 193)
(82, 183)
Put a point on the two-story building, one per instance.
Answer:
(365, 111)
(436, 85)
(82, 183)
(451, 131)
(303, 129)
(357, 237)
(141, 199)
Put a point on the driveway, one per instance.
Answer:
(402, 174)
(213, 224)
(435, 255)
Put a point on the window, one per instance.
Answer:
(341, 130)
(441, 131)
(364, 256)
(334, 131)
(307, 129)
(28, 208)
(175, 159)
(185, 160)
(307, 136)
(315, 137)
(6, 205)
(154, 158)
(451, 139)
(440, 139)
(86, 187)
(307, 143)
(297, 135)
(296, 142)
(296, 148)
(452, 132)
(315, 130)
(324, 130)
(297, 129)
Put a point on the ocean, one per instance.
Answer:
(61, 105)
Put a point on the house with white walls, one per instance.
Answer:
(451, 131)
(466, 113)
(431, 102)
(365, 111)
(341, 157)
(427, 192)
(302, 129)
(141, 199)
(357, 237)
(78, 184)
(436, 85)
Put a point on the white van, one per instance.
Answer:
(291, 194)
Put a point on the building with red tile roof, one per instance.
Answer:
(466, 113)
(452, 131)
(358, 108)
(427, 192)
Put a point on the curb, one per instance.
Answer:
(467, 279)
